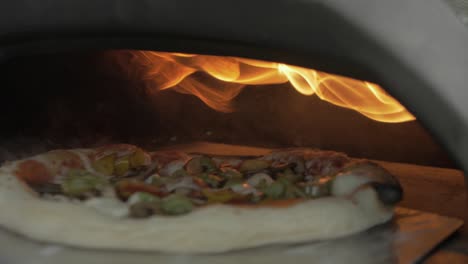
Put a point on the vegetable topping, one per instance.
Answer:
(168, 185)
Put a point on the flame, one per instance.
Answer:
(227, 76)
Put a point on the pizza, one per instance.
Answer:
(123, 197)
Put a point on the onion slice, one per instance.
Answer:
(87, 164)
(184, 182)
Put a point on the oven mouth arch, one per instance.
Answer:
(374, 60)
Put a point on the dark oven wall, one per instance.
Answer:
(83, 99)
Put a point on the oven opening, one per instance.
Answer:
(219, 105)
(158, 99)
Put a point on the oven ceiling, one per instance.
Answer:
(415, 49)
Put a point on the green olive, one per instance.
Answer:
(78, 185)
(233, 181)
(176, 204)
(201, 164)
(218, 196)
(146, 197)
(158, 181)
(121, 166)
(232, 174)
(290, 175)
(283, 180)
(274, 190)
(253, 165)
(290, 189)
(105, 165)
(137, 159)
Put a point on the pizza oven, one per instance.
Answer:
(381, 80)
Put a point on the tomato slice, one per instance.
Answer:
(33, 172)
(126, 188)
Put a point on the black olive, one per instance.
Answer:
(389, 194)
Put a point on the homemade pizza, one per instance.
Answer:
(122, 197)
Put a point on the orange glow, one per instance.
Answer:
(230, 75)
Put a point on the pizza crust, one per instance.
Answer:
(216, 228)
